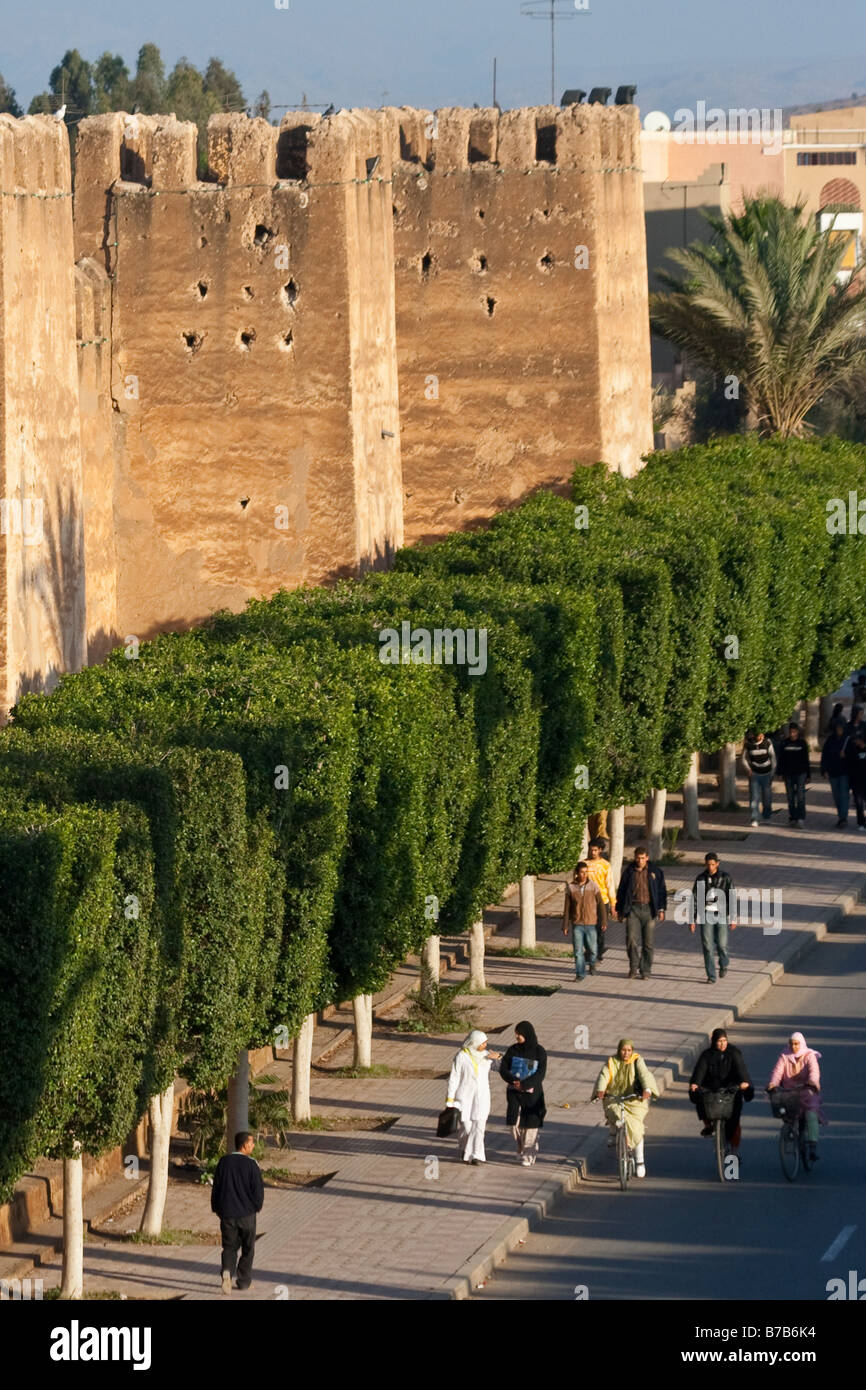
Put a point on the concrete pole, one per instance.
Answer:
(656, 804)
(238, 1107)
(72, 1277)
(431, 965)
(691, 808)
(584, 841)
(813, 722)
(160, 1113)
(616, 828)
(527, 912)
(302, 1060)
(476, 957)
(727, 775)
(362, 1008)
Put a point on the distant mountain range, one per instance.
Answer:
(806, 85)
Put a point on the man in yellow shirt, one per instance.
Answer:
(600, 873)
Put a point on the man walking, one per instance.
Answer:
(856, 763)
(714, 904)
(601, 874)
(582, 914)
(238, 1194)
(795, 767)
(759, 761)
(641, 900)
(834, 764)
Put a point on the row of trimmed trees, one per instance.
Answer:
(206, 840)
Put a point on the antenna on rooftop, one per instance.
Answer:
(551, 11)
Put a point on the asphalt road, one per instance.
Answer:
(681, 1234)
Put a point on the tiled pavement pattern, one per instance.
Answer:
(388, 1224)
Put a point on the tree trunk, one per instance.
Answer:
(527, 912)
(656, 804)
(584, 841)
(813, 722)
(691, 808)
(727, 775)
(72, 1278)
(616, 826)
(430, 965)
(362, 1008)
(160, 1112)
(238, 1108)
(302, 1057)
(476, 957)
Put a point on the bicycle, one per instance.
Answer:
(793, 1145)
(625, 1159)
(718, 1107)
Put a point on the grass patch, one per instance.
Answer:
(53, 1295)
(321, 1124)
(530, 952)
(168, 1236)
(282, 1177)
(356, 1073)
(436, 1008)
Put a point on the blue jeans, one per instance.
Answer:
(841, 794)
(715, 934)
(584, 939)
(796, 789)
(761, 786)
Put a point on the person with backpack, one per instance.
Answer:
(834, 764)
(796, 769)
(759, 763)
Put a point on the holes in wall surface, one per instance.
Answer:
(479, 213)
(478, 264)
(262, 235)
(545, 144)
(490, 306)
(202, 288)
(426, 265)
(246, 338)
(202, 241)
(248, 292)
(193, 341)
(546, 263)
(290, 294)
(286, 343)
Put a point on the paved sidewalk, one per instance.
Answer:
(401, 1217)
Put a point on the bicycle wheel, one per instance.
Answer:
(720, 1149)
(622, 1157)
(789, 1151)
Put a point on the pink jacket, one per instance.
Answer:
(792, 1073)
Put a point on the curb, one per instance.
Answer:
(575, 1167)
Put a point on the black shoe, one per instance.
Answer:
(244, 1286)
(723, 970)
(647, 974)
(707, 1131)
(592, 970)
(579, 979)
(632, 974)
(840, 824)
(711, 979)
(641, 975)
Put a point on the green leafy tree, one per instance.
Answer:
(222, 84)
(262, 105)
(8, 102)
(148, 86)
(763, 302)
(111, 82)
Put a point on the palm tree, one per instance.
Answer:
(763, 302)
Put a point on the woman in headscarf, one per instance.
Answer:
(721, 1066)
(523, 1068)
(798, 1070)
(469, 1091)
(627, 1074)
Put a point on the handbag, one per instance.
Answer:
(449, 1121)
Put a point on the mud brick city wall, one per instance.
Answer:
(42, 530)
(354, 329)
(521, 305)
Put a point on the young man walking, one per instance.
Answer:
(601, 874)
(795, 767)
(834, 764)
(759, 761)
(714, 908)
(237, 1197)
(641, 900)
(582, 915)
(856, 763)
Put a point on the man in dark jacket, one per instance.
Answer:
(856, 763)
(641, 900)
(238, 1194)
(714, 908)
(718, 1068)
(795, 767)
(834, 765)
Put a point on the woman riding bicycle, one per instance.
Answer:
(721, 1067)
(798, 1070)
(627, 1076)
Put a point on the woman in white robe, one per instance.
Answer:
(469, 1091)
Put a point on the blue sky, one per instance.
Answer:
(440, 52)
